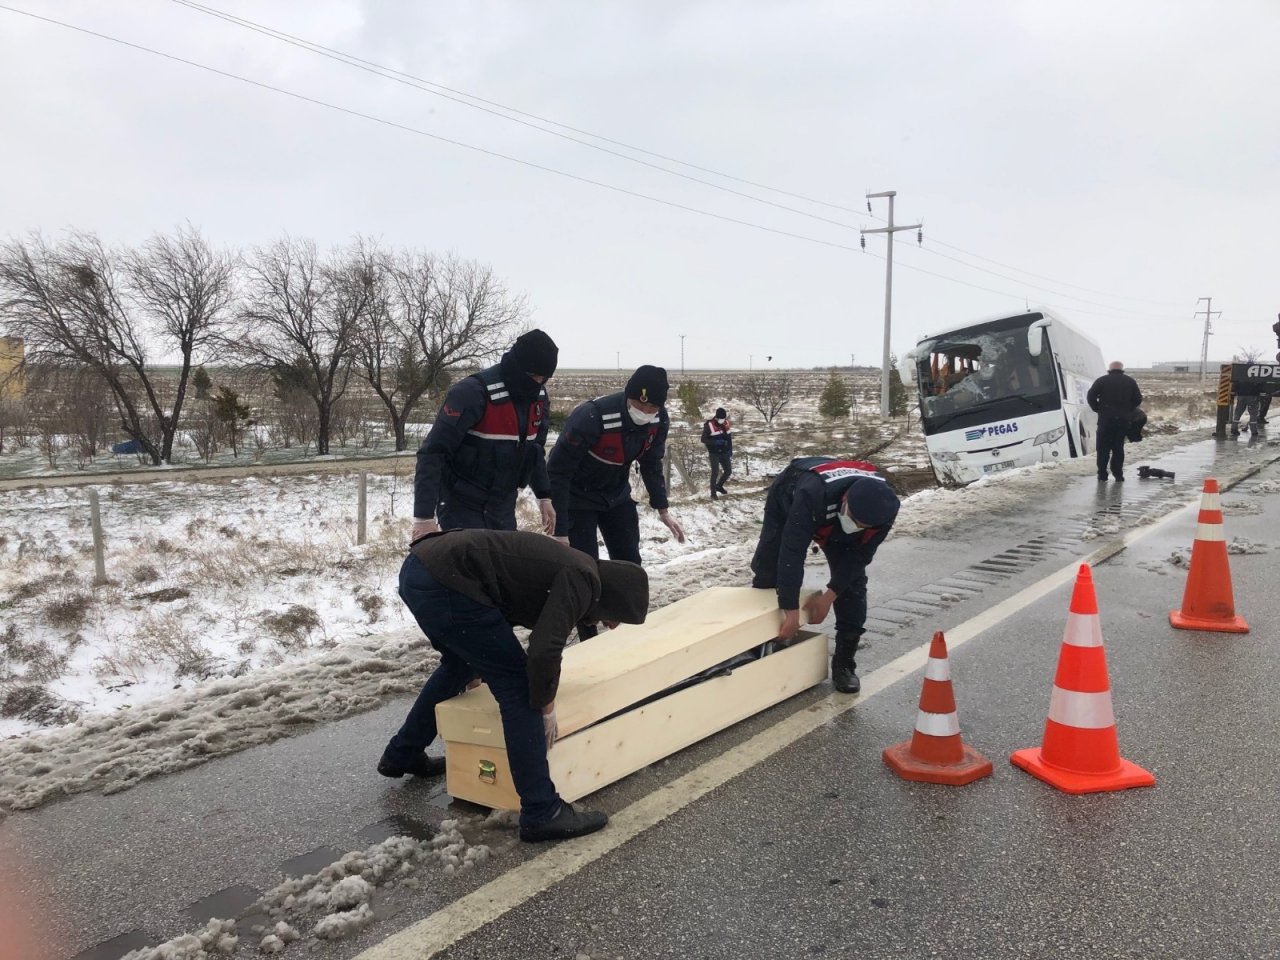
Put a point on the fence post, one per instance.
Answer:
(99, 551)
(362, 507)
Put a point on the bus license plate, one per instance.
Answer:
(994, 467)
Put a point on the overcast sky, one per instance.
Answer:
(1125, 153)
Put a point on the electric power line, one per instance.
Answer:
(454, 95)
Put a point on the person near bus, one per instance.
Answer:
(718, 440)
(489, 440)
(466, 589)
(847, 508)
(1114, 397)
(590, 470)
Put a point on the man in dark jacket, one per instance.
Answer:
(718, 440)
(847, 508)
(590, 467)
(1113, 397)
(466, 588)
(488, 441)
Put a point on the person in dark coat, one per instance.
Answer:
(489, 440)
(847, 508)
(718, 439)
(590, 467)
(466, 588)
(1113, 397)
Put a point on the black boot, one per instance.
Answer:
(419, 766)
(569, 822)
(844, 675)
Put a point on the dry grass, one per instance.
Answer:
(292, 628)
(69, 611)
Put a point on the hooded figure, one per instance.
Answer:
(847, 508)
(488, 441)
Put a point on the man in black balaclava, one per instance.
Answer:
(488, 441)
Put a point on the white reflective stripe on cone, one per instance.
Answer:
(937, 669)
(937, 724)
(1212, 532)
(1090, 711)
(1210, 501)
(1083, 630)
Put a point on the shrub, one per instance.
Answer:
(835, 399)
(69, 611)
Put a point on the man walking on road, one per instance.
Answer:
(466, 588)
(719, 443)
(1113, 397)
(847, 508)
(488, 441)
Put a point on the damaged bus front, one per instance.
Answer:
(1003, 393)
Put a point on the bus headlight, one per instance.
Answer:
(1051, 436)
(946, 456)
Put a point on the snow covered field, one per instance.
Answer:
(238, 611)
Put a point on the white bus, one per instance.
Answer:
(1004, 393)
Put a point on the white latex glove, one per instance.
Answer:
(564, 540)
(673, 525)
(548, 517)
(422, 527)
(550, 729)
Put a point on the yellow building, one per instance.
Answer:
(11, 354)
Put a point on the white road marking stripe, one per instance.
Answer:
(1091, 711)
(504, 893)
(938, 724)
(937, 669)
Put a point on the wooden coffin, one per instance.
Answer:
(604, 736)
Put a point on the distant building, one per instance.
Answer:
(1187, 366)
(11, 354)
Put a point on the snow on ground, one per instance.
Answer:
(238, 611)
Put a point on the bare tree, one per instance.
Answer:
(769, 393)
(80, 304)
(428, 317)
(301, 319)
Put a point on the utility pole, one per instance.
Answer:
(888, 287)
(682, 336)
(751, 358)
(617, 358)
(1209, 314)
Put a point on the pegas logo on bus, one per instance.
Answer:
(995, 430)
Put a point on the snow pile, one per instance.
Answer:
(279, 938)
(218, 939)
(1243, 545)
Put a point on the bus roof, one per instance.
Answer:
(1047, 314)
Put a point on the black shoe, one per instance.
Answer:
(421, 766)
(844, 676)
(714, 494)
(1102, 478)
(569, 822)
(723, 491)
(1120, 479)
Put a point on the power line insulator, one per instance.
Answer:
(868, 206)
(920, 237)
(863, 240)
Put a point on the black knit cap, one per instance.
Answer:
(648, 385)
(720, 414)
(624, 591)
(872, 502)
(536, 353)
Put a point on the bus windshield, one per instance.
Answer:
(983, 374)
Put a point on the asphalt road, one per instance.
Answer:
(787, 836)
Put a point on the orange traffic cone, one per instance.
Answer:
(1080, 752)
(935, 753)
(1208, 603)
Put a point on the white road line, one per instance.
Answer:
(447, 926)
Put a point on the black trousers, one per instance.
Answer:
(1111, 436)
(619, 527)
(720, 461)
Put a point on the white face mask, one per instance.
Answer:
(846, 522)
(640, 418)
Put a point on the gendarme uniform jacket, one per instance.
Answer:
(483, 447)
(817, 485)
(590, 465)
(532, 580)
(716, 437)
